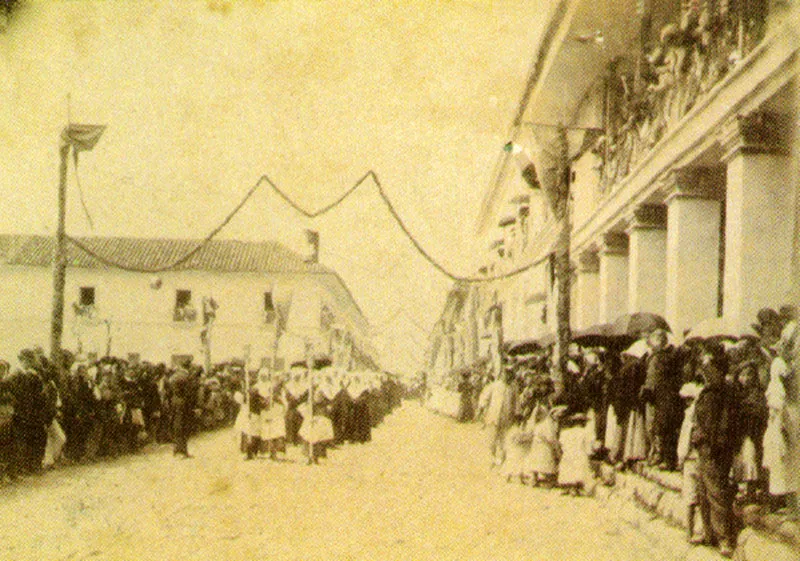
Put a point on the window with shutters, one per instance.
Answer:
(84, 307)
(184, 310)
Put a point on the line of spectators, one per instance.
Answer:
(104, 409)
(722, 409)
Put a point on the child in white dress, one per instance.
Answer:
(574, 469)
(541, 463)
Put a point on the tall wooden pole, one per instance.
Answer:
(563, 266)
(59, 267)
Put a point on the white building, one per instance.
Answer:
(269, 299)
(683, 145)
(684, 169)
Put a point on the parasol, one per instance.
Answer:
(522, 347)
(639, 323)
(712, 328)
(601, 335)
(547, 340)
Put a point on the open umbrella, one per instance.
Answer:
(601, 335)
(522, 347)
(637, 323)
(712, 328)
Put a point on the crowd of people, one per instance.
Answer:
(104, 408)
(722, 409)
(110, 407)
(318, 408)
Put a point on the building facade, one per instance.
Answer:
(230, 299)
(683, 170)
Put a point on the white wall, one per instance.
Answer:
(141, 317)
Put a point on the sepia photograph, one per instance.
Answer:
(399, 280)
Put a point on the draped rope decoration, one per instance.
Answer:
(310, 214)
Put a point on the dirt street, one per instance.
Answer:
(422, 489)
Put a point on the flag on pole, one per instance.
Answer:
(209, 310)
(82, 137)
(312, 238)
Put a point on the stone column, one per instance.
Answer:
(613, 276)
(647, 260)
(587, 289)
(693, 246)
(759, 218)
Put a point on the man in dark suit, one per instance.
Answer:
(26, 389)
(182, 395)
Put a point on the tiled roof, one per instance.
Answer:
(224, 256)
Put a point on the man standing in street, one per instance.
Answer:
(182, 395)
(28, 422)
(714, 435)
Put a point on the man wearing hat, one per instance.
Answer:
(26, 389)
(78, 410)
(183, 393)
(661, 392)
(715, 432)
(768, 326)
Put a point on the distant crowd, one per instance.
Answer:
(722, 409)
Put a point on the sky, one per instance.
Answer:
(203, 97)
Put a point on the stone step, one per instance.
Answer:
(767, 537)
(672, 480)
(670, 538)
(755, 545)
(654, 497)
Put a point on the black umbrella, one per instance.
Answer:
(523, 347)
(638, 323)
(602, 335)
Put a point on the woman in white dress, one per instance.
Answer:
(776, 448)
(273, 422)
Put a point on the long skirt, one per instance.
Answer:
(273, 424)
(684, 439)
(636, 441)
(776, 456)
(518, 446)
(542, 458)
(613, 435)
(55, 444)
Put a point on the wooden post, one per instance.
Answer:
(59, 267)
(563, 266)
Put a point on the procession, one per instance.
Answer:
(111, 408)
